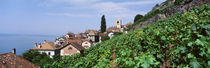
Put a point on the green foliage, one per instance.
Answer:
(37, 58)
(157, 5)
(137, 17)
(166, 8)
(180, 41)
(177, 2)
(117, 33)
(147, 16)
(104, 38)
(103, 24)
(57, 57)
(158, 11)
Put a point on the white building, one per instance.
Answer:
(111, 34)
(86, 43)
(47, 47)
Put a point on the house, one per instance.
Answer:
(111, 34)
(59, 41)
(47, 47)
(87, 43)
(81, 36)
(70, 49)
(10, 60)
(93, 35)
(70, 35)
(78, 41)
(113, 29)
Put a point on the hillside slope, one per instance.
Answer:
(179, 41)
(167, 9)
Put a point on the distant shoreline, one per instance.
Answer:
(39, 35)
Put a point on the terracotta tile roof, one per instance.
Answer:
(78, 41)
(113, 29)
(46, 46)
(91, 32)
(126, 25)
(77, 46)
(102, 34)
(74, 44)
(10, 60)
(71, 34)
(81, 36)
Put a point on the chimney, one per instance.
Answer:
(39, 46)
(45, 41)
(14, 51)
(35, 44)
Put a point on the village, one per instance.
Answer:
(65, 45)
(71, 43)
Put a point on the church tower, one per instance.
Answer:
(118, 23)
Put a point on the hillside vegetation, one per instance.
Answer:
(179, 41)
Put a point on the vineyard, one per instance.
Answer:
(182, 40)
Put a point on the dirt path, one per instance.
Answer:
(114, 65)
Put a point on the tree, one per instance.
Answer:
(103, 24)
(137, 17)
(37, 58)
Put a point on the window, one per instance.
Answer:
(48, 53)
(70, 48)
(118, 22)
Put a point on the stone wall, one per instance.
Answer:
(171, 11)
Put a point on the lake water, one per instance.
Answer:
(22, 43)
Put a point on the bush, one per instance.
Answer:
(37, 58)
(104, 38)
(137, 17)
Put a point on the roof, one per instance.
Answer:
(78, 41)
(10, 60)
(88, 40)
(77, 46)
(91, 32)
(128, 24)
(46, 46)
(74, 44)
(71, 34)
(102, 34)
(113, 29)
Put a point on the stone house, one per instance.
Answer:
(93, 35)
(70, 49)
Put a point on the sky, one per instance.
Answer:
(57, 17)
